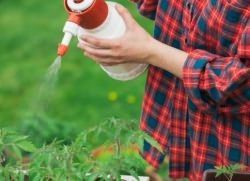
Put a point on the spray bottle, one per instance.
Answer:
(100, 19)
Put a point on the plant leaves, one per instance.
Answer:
(17, 151)
(152, 142)
(20, 138)
(93, 176)
(27, 146)
(218, 173)
(236, 167)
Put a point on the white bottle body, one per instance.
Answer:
(114, 27)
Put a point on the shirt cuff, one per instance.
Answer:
(192, 78)
(216, 84)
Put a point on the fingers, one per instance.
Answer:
(101, 60)
(82, 43)
(128, 19)
(104, 53)
(99, 42)
(105, 57)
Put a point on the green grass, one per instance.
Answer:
(30, 32)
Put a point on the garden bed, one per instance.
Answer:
(210, 175)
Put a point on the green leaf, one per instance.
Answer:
(20, 138)
(17, 151)
(37, 177)
(1, 141)
(218, 173)
(93, 176)
(153, 142)
(21, 177)
(219, 170)
(27, 146)
(236, 167)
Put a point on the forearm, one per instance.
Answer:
(167, 58)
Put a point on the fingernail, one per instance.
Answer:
(84, 38)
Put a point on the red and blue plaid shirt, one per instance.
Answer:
(202, 120)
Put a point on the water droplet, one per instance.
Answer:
(47, 87)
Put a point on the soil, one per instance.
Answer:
(210, 176)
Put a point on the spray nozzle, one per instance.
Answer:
(87, 14)
(62, 50)
(64, 46)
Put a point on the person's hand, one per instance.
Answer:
(133, 46)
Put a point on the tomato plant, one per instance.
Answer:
(22, 160)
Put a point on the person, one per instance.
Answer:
(197, 96)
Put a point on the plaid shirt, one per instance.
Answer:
(202, 120)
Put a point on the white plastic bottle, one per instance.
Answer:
(106, 23)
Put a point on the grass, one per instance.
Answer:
(30, 32)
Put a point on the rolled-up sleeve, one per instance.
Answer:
(147, 7)
(216, 83)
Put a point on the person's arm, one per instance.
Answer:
(211, 81)
(216, 83)
(135, 46)
(167, 58)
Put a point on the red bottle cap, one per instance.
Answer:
(90, 18)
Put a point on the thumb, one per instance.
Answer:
(125, 14)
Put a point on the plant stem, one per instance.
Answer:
(229, 178)
(118, 153)
(118, 147)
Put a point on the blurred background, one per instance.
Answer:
(83, 96)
